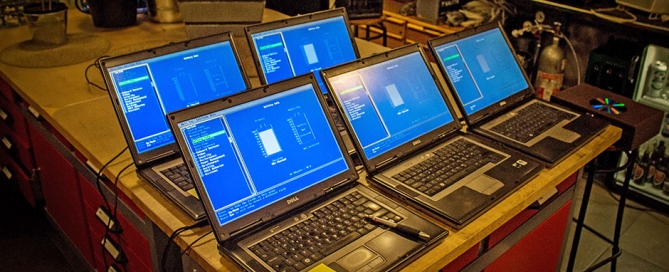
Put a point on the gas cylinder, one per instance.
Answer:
(550, 70)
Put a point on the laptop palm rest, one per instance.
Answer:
(390, 245)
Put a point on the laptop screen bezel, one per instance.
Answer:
(412, 145)
(497, 107)
(280, 207)
(294, 21)
(110, 62)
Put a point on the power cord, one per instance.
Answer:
(193, 243)
(113, 217)
(98, 177)
(97, 65)
(163, 259)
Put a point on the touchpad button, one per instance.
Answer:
(357, 258)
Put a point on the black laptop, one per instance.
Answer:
(498, 101)
(280, 192)
(410, 140)
(144, 86)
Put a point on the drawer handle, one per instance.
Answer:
(104, 217)
(7, 143)
(113, 268)
(34, 112)
(7, 172)
(4, 116)
(113, 250)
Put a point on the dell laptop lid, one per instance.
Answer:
(386, 125)
(301, 44)
(483, 71)
(261, 154)
(144, 86)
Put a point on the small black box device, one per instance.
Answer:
(639, 122)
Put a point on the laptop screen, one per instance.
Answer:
(296, 49)
(150, 88)
(251, 155)
(481, 68)
(391, 103)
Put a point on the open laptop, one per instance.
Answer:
(411, 143)
(144, 86)
(498, 101)
(280, 191)
(298, 45)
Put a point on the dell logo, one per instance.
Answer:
(416, 142)
(292, 200)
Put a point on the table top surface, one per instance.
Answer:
(85, 117)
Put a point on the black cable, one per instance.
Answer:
(86, 74)
(192, 243)
(163, 259)
(616, 169)
(104, 198)
(98, 176)
(112, 216)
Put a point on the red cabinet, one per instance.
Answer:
(133, 244)
(17, 156)
(62, 193)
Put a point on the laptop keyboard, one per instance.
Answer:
(180, 176)
(531, 121)
(451, 163)
(329, 229)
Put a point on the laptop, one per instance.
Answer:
(410, 141)
(298, 45)
(280, 192)
(144, 86)
(497, 100)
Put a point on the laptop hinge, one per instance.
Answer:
(250, 225)
(441, 136)
(481, 118)
(161, 156)
(337, 186)
(388, 161)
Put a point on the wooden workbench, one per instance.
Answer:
(86, 119)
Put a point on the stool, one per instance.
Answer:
(580, 222)
(639, 122)
(374, 22)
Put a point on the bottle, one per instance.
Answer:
(659, 162)
(641, 168)
(650, 170)
(665, 126)
(657, 75)
(550, 70)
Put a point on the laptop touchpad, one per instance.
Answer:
(485, 185)
(564, 135)
(359, 259)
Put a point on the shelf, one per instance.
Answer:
(642, 21)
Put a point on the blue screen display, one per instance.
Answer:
(149, 89)
(254, 154)
(482, 69)
(391, 103)
(304, 48)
